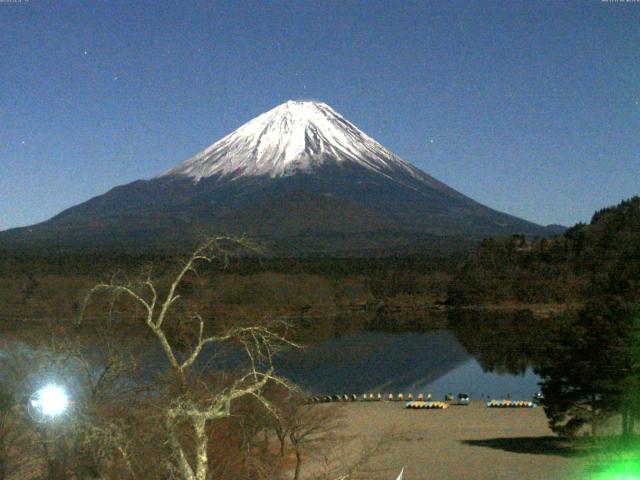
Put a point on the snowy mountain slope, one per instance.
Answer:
(296, 136)
(298, 171)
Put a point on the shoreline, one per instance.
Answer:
(539, 310)
(462, 442)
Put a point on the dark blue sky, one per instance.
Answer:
(530, 107)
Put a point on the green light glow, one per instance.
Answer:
(620, 470)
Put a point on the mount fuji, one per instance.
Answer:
(300, 176)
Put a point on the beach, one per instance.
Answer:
(461, 442)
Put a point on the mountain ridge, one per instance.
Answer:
(297, 171)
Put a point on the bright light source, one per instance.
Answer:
(50, 401)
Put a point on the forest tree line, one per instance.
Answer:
(562, 269)
(511, 270)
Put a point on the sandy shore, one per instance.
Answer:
(472, 442)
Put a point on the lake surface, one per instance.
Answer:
(484, 355)
(419, 362)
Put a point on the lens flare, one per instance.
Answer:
(50, 401)
(620, 470)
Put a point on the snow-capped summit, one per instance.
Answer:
(296, 136)
(299, 176)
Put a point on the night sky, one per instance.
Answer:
(532, 108)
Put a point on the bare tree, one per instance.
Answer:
(309, 426)
(351, 458)
(9, 430)
(25, 447)
(97, 376)
(194, 403)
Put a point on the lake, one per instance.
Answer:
(417, 362)
(481, 354)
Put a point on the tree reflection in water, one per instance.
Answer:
(504, 342)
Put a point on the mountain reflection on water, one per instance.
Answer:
(484, 354)
(364, 361)
(479, 353)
